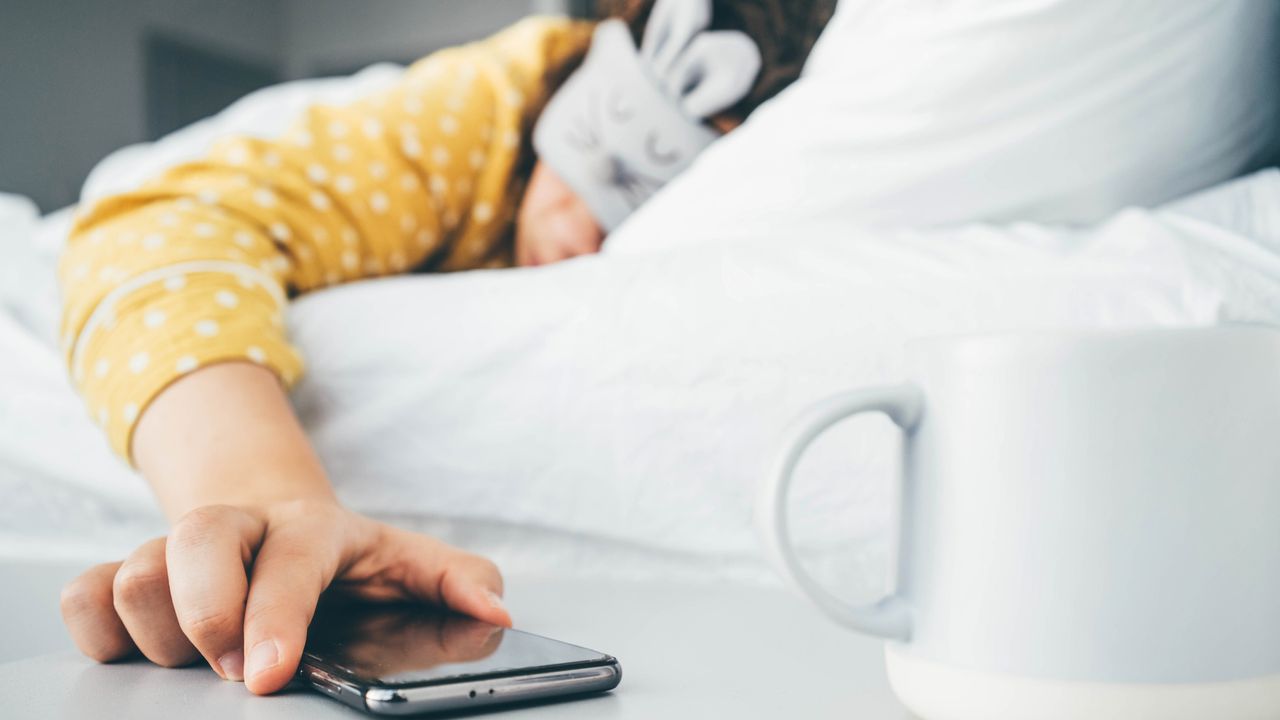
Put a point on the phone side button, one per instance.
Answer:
(328, 687)
(334, 688)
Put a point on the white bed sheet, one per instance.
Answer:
(611, 415)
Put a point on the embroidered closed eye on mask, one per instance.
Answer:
(629, 120)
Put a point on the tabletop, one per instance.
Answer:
(687, 651)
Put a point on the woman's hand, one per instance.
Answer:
(257, 536)
(239, 585)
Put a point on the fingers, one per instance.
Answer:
(142, 601)
(90, 618)
(472, 585)
(293, 566)
(206, 555)
(191, 595)
(467, 583)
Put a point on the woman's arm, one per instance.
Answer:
(242, 447)
(257, 536)
(173, 328)
(195, 267)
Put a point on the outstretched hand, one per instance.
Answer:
(238, 586)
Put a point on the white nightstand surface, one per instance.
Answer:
(687, 651)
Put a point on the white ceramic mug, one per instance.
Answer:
(1090, 525)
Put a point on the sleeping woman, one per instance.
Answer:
(523, 149)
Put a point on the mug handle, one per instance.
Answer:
(889, 617)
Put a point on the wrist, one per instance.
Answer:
(226, 435)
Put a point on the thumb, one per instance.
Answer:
(447, 576)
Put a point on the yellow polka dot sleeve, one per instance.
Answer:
(196, 266)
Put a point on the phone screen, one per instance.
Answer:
(413, 644)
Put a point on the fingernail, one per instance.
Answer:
(263, 656)
(232, 665)
(494, 601)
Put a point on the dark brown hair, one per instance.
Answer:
(784, 30)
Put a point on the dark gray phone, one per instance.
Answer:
(409, 659)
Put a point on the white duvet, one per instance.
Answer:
(612, 414)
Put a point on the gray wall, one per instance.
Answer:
(71, 78)
(72, 75)
(324, 35)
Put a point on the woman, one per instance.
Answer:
(174, 297)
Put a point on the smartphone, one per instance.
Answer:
(410, 659)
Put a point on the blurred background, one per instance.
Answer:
(81, 78)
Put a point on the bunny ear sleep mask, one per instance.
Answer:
(628, 121)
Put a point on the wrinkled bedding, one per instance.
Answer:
(613, 414)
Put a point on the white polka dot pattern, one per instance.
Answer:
(264, 198)
(193, 269)
(154, 319)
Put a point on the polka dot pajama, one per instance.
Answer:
(195, 267)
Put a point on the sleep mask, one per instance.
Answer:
(628, 121)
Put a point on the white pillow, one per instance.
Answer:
(634, 401)
(926, 112)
